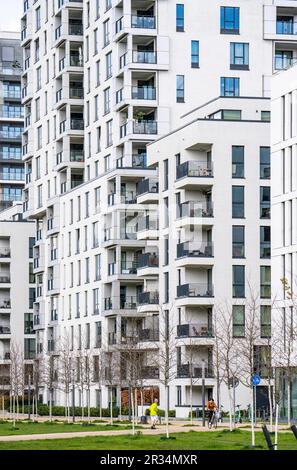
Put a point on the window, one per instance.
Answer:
(95, 234)
(165, 174)
(238, 241)
(229, 86)
(106, 100)
(98, 334)
(106, 38)
(87, 204)
(265, 242)
(29, 347)
(28, 323)
(87, 270)
(237, 161)
(166, 287)
(31, 274)
(265, 162)
(265, 282)
(264, 202)
(38, 78)
(96, 41)
(237, 201)
(87, 344)
(227, 115)
(31, 244)
(108, 65)
(283, 59)
(238, 321)
(95, 301)
(265, 313)
(230, 20)
(180, 18)
(195, 54)
(109, 133)
(239, 55)
(265, 116)
(180, 88)
(98, 72)
(97, 267)
(38, 18)
(238, 282)
(32, 297)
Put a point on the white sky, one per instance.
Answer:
(10, 15)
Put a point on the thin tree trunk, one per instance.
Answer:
(50, 406)
(191, 402)
(230, 409)
(167, 411)
(89, 406)
(289, 401)
(133, 412)
(111, 414)
(270, 405)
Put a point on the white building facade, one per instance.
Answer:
(283, 143)
(101, 81)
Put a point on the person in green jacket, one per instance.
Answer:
(154, 414)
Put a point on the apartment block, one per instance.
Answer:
(17, 296)
(102, 81)
(283, 143)
(12, 174)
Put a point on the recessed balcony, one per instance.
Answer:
(194, 254)
(194, 294)
(191, 174)
(148, 264)
(194, 371)
(197, 330)
(193, 212)
(148, 227)
(147, 191)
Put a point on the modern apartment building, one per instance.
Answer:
(12, 174)
(284, 187)
(17, 296)
(102, 79)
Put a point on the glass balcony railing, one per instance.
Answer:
(76, 92)
(5, 303)
(148, 260)
(286, 25)
(148, 334)
(76, 60)
(129, 302)
(194, 209)
(144, 22)
(147, 186)
(148, 223)
(77, 124)
(76, 156)
(12, 176)
(194, 371)
(144, 127)
(194, 249)
(12, 93)
(283, 62)
(11, 155)
(144, 57)
(148, 298)
(128, 267)
(75, 29)
(4, 278)
(194, 330)
(143, 93)
(196, 169)
(5, 330)
(195, 290)
(4, 252)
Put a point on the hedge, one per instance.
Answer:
(161, 413)
(43, 410)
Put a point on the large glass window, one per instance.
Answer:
(238, 281)
(265, 162)
(237, 161)
(229, 86)
(285, 25)
(28, 323)
(238, 321)
(230, 20)
(29, 348)
(283, 59)
(265, 242)
(180, 88)
(265, 202)
(239, 55)
(265, 321)
(195, 54)
(238, 241)
(237, 201)
(180, 17)
(265, 282)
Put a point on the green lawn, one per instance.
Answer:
(193, 440)
(25, 427)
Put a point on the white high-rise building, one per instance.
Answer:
(102, 79)
(284, 253)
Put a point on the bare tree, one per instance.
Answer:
(112, 373)
(65, 371)
(165, 360)
(50, 378)
(16, 377)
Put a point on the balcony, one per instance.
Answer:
(11, 112)
(12, 176)
(286, 25)
(195, 250)
(128, 267)
(128, 302)
(76, 93)
(145, 127)
(75, 29)
(147, 227)
(148, 260)
(194, 290)
(148, 334)
(193, 170)
(194, 331)
(143, 22)
(144, 57)
(194, 209)
(143, 93)
(112, 338)
(147, 186)
(77, 124)
(148, 298)
(149, 372)
(194, 371)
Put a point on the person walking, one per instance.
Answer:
(154, 413)
(211, 408)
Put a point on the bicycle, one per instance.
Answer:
(213, 421)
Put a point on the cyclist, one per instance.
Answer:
(211, 408)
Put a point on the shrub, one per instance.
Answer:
(43, 410)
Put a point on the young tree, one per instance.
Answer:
(16, 377)
(65, 371)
